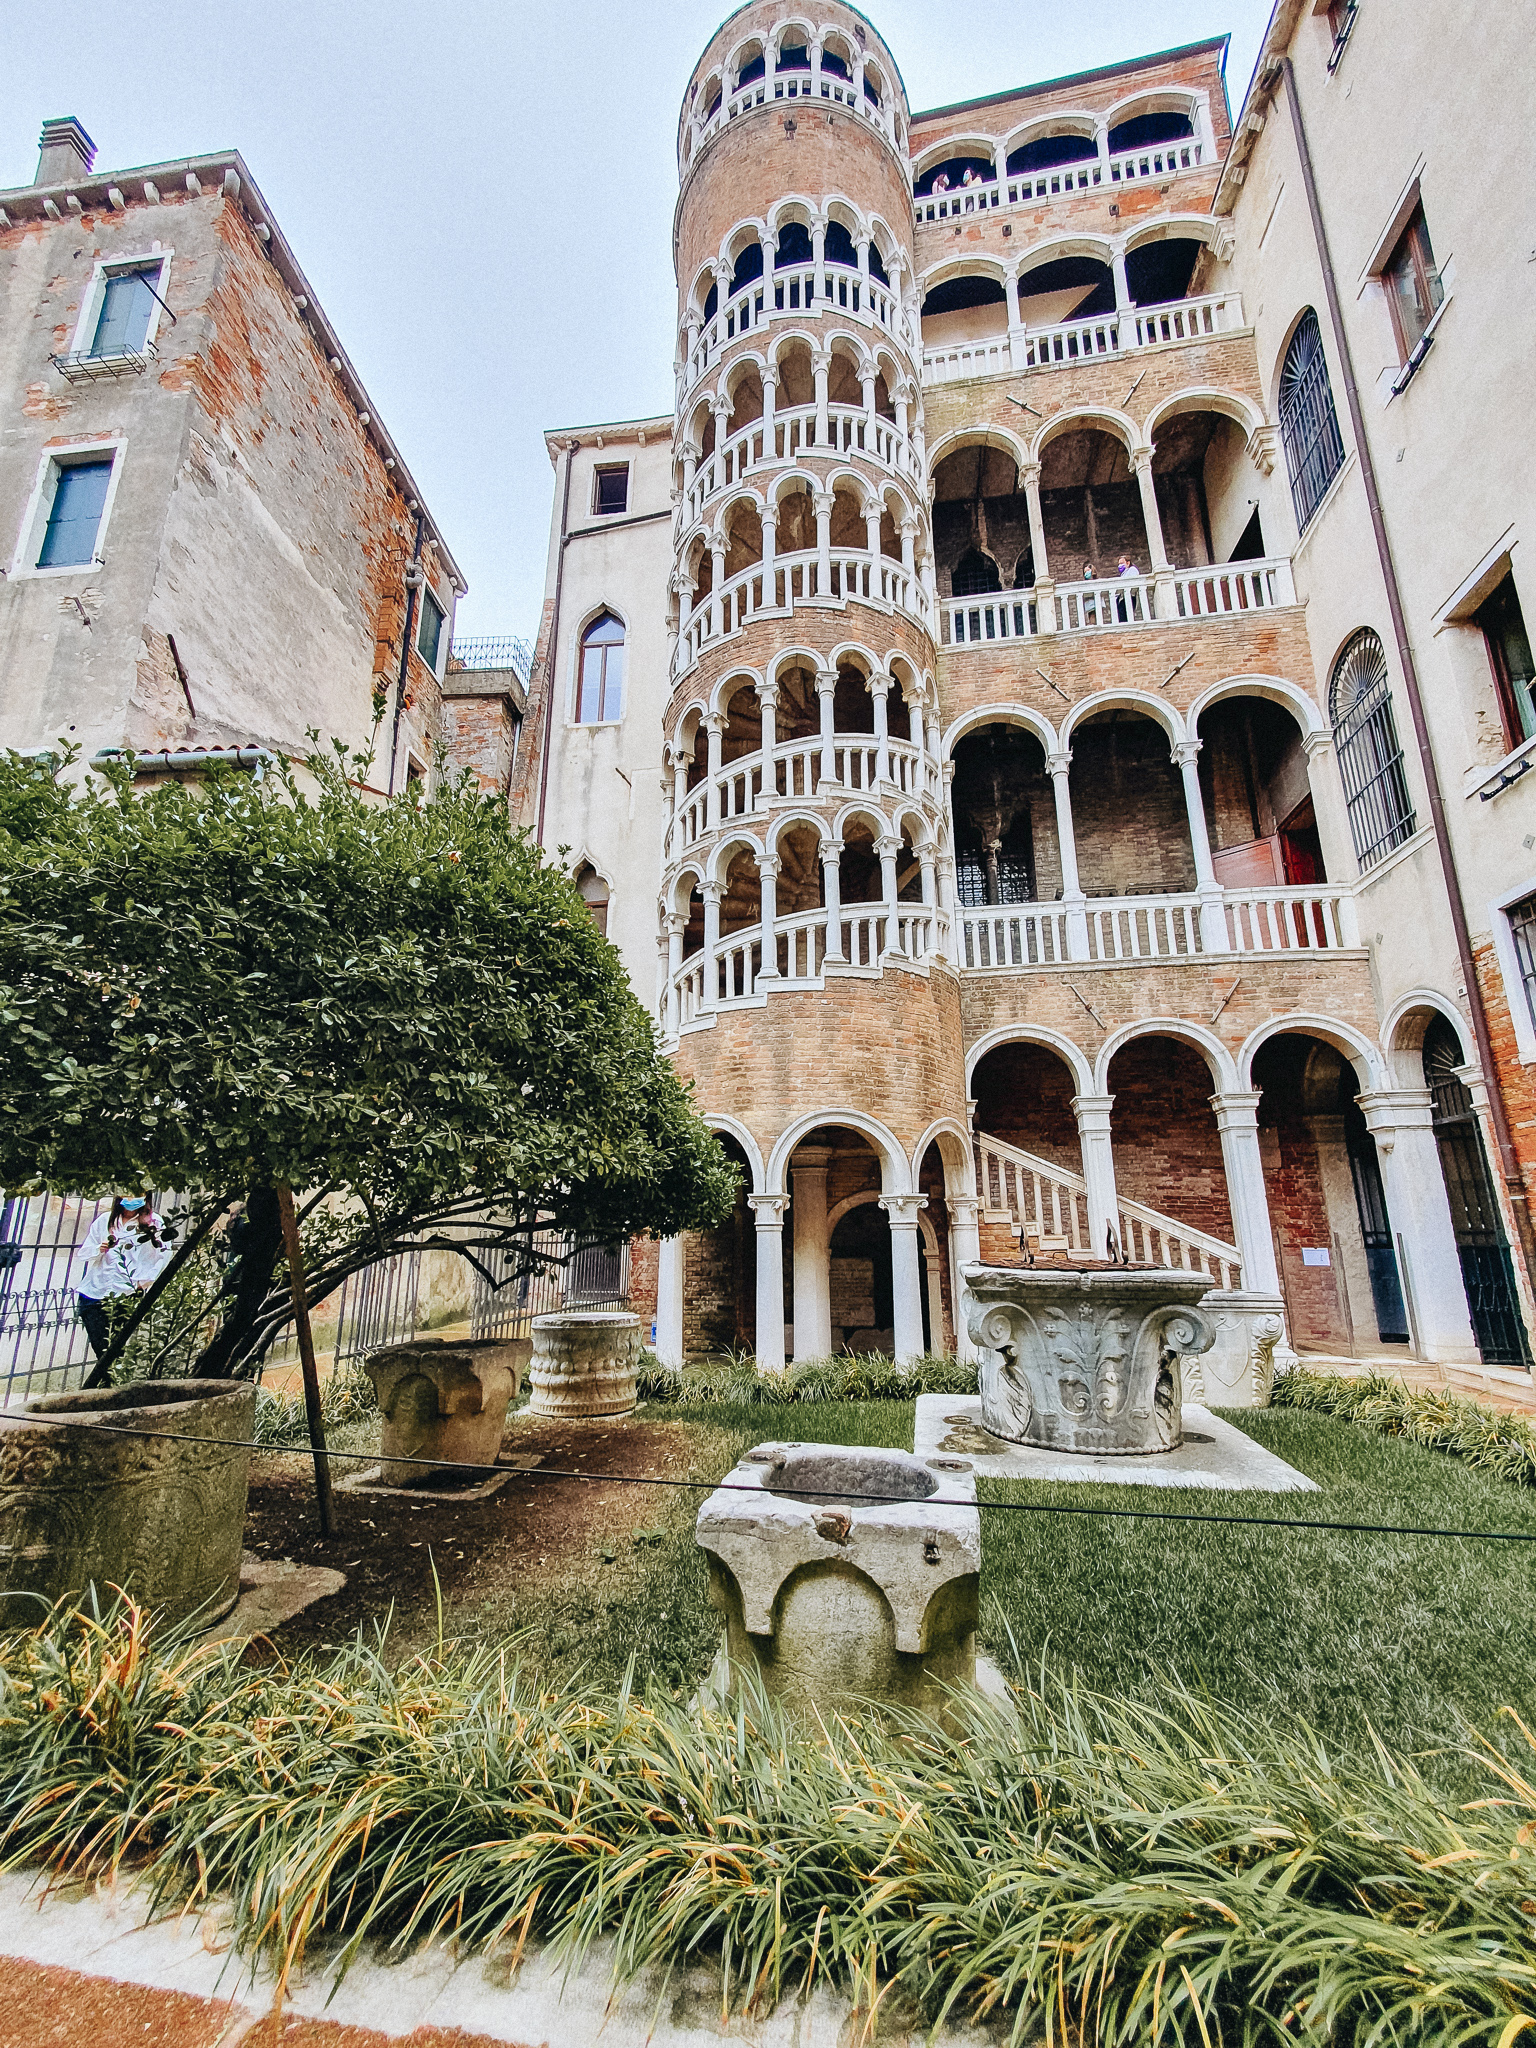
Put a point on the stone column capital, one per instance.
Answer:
(677, 921)
(768, 1210)
(1186, 752)
(712, 892)
(1390, 1110)
(1141, 461)
(767, 693)
(888, 844)
(769, 374)
(831, 849)
(1238, 1110)
(880, 683)
(903, 1210)
(821, 361)
(822, 502)
(769, 864)
(964, 1209)
(1092, 1111)
(1059, 762)
(826, 681)
(714, 721)
(811, 1159)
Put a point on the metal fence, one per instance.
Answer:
(592, 1276)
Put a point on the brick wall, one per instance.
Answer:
(1023, 1095)
(1167, 1147)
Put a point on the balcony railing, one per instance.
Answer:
(773, 590)
(1063, 181)
(792, 433)
(793, 293)
(731, 973)
(1118, 603)
(762, 92)
(1071, 341)
(801, 768)
(88, 366)
(1106, 929)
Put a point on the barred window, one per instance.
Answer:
(1309, 427)
(1370, 759)
(1522, 925)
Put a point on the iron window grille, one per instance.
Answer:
(1309, 426)
(1522, 926)
(1370, 758)
(1341, 19)
(1486, 1269)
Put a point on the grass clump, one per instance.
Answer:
(1495, 1442)
(870, 1376)
(346, 1397)
(1104, 1871)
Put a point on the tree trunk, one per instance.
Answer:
(260, 1244)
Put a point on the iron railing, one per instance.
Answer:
(496, 652)
(592, 1276)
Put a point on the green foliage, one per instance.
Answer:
(1070, 1864)
(346, 1395)
(1440, 1420)
(868, 1376)
(228, 987)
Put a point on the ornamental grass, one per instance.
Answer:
(868, 1376)
(1080, 1868)
(1440, 1420)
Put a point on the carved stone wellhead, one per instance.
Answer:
(1086, 1360)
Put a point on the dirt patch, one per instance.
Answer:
(533, 1532)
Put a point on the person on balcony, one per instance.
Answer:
(970, 177)
(941, 182)
(1127, 568)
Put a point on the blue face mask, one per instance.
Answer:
(133, 1208)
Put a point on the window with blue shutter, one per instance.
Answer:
(122, 326)
(74, 518)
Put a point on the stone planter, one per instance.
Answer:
(442, 1400)
(584, 1364)
(163, 1520)
(1250, 1347)
(836, 1584)
(1086, 1358)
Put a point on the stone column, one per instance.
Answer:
(819, 258)
(768, 871)
(887, 846)
(831, 889)
(669, 1300)
(1162, 568)
(680, 765)
(1045, 587)
(1073, 900)
(690, 465)
(872, 531)
(906, 1286)
(1101, 144)
(867, 377)
(909, 528)
(768, 697)
(812, 1252)
(768, 528)
(714, 727)
(826, 685)
(711, 892)
(1122, 284)
(1237, 1119)
(1213, 915)
(717, 554)
(722, 412)
(822, 501)
(1399, 1119)
(677, 924)
(769, 1333)
(770, 376)
(965, 1250)
(880, 690)
(925, 862)
(821, 363)
(1015, 321)
(1093, 1135)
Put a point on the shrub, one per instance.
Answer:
(1502, 1444)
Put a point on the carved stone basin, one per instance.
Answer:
(1086, 1358)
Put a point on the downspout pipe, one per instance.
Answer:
(413, 583)
(1509, 1159)
(551, 659)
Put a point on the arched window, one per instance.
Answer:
(974, 575)
(1370, 759)
(1309, 427)
(600, 690)
(593, 891)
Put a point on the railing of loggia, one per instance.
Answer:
(1049, 1201)
(794, 769)
(1021, 188)
(1289, 920)
(1073, 341)
(1020, 935)
(793, 292)
(1278, 920)
(1143, 927)
(791, 85)
(1107, 604)
(777, 586)
(868, 934)
(790, 434)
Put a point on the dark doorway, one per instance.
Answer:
(1486, 1270)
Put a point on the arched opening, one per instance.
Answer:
(1006, 848)
(1481, 1244)
(848, 528)
(938, 1297)
(1309, 426)
(1204, 481)
(838, 246)
(593, 891)
(1327, 1201)
(720, 1275)
(748, 268)
(746, 399)
(600, 679)
(1258, 796)
(858, 866)
(844, 384)
(1029, 1156)
(797, 716)
(954, 174)
(743, 732)
(1144, 131)
(1090, 504)
(795, 524)
(794, 245)
(853, 709)
(797, 380)
(752, 66)
(744, 531)
(793, 52)
(1046, 152)
(840, 1293)
(1122, 767)
(964, 309)
(1157, 273)
(980, 523)
(1069, 288)
(1166, 1143)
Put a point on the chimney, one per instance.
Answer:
(66, 153)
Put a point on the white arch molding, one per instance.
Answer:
(1352, 1045)
(888, 1149)
(1224, 1070)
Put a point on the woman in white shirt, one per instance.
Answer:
(122, 1253)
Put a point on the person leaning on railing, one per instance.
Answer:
(122, 1253)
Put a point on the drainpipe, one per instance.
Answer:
(1509, 1161)
(414, 578)
(551, 658)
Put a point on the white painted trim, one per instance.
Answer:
(1458, 608)
(95, 292)
(1407, 199)
(34, 521)
(1509, 967)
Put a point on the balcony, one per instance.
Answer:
(791, 434)
(805, 771)
(88, 366)
(1113, 604)
(1104, 931)
(1123, 332)
(772, 590)
(789, 87)
(1064, 181)
(861, 939)
(792, 294)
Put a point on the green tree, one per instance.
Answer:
(398, 1009)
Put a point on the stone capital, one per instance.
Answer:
(887, 844)
(712, 892)
(769, 864)
(880, 683)
(769, 374)
(1060, 762)
(964, 1209)
(1141, 461)
(768, 1210)
(714, 721)
(811, 1159)
(826, 681)
(822, 503)
(821, 361)
(1238, 1110)
(903, 1210)
(677, 921)
(1184, 752)
(1390, 1110)
(1092, 1113)
(1263, 447)
(831, 849)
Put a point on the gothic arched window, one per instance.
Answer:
(1309, 427)
(1370, 759)
(600, 687)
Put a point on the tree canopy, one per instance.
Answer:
(402, 1004)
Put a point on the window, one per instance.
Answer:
(1509, 654)
(1370, 759)
(429, 634)
(600, 692)
(610, 488)
(1309, 427)
(594, 893)
(74, 517)
(122, 325)
(1522, 927)
(1341, 20)
(1414, 289)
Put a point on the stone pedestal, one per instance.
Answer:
(1087, 1358)
(841, 1580)
(584, 1364)
(161, 1519)
(1248, 1348)
(442, 1400)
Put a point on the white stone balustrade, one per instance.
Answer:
(1001, 938)
(794, 770)
(792, 294)
(1063, 181)
(1122, 332)
(729, 969)
(791, 434)
(773, 590)
(1114, 603)
(847, 93)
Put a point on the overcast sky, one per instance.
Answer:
(482, 194)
